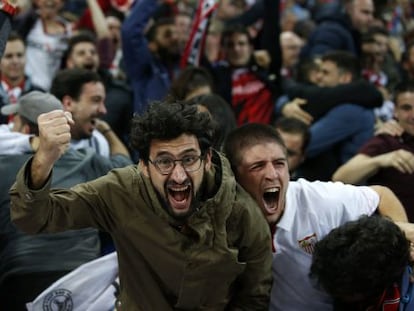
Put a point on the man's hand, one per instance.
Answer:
(390, 127)
(401, 159)
(54, 139)
(262, 58)
(54, 134)
(293, 110)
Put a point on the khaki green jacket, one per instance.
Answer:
(221, 260)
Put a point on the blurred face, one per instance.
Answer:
(86, 109)
(13, 61)
(179, 189)
(294, 145)
(264, 174)
(49, 8)
(238, 50)
(84, 55)
(330, 75)
(362, 14)
(183, 26)
(166, 39)
(404, 111)
(290, 44)
(114, 27)
(382, 42)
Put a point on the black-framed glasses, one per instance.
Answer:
(165, 164)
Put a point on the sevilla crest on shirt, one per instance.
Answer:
(308, 243)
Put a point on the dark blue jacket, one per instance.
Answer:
(149, 77)
(334, 32)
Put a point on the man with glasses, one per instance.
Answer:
(187, 236)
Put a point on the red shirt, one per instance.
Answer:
(401, 184)
(252, 101)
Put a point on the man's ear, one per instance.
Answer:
(67, 103)
(207, 161)
(143, 167)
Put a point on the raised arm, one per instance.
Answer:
(54, 139)
(116, 146)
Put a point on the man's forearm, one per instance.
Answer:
(389, 205)
(39, 172)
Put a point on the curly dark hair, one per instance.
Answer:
(361, 258)
(168, 120)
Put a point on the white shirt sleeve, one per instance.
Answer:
(13, 142)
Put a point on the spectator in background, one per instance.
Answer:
(386, 159)
(221, 114)
(407, 62)
(290, 44)
(14, 81)
(151, 55)
(183, 21)
(365, 265)
(341, 30)
(338, 135)
(296, 136)
(82, 53)
(251, 88)
(191, 82)
(45, 33)
(114, 20)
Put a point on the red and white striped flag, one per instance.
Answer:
(195, 44)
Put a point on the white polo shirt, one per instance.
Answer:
(312, 210)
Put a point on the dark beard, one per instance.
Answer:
(167, 56)
(195, 202)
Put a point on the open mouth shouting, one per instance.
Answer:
(179, 196)
(270, 200)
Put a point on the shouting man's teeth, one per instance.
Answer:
(270, 197)
(180, 193)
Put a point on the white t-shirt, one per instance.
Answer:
(97, 142)
(312, 210)
(44, 52)
(13, 142)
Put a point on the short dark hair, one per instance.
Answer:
(189, 79)
(169, 120)
(361, 257)
(71, 81)
(249, 135)
(81, 37)
(222, 114)
(345, 61)
(294, 126)
(152, 30)
(402, 87)
(14, 36)
(232, 29)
